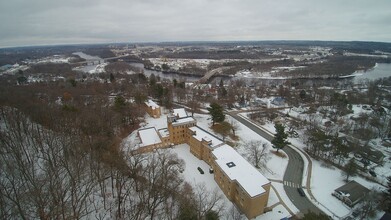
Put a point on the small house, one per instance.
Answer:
(351, 193)
(153, 109)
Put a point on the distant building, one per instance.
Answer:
(153, 109)
(241, 182)
(5, 67)
(351, 193)
(371, 154)
(279, 101)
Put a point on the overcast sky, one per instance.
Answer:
(43, 22)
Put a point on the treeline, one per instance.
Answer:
(102, 52)
(51, 68)
(19, 54)
(121, 67)
(209, 54)
(337, 66)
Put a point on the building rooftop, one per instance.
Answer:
(164, 132)
(152, 104)
(180, 112)
(149, 136)
(353, 190)
(183, 121)
(239, 169)
(202, 134)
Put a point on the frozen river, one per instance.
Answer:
(92, 62)
(381, 70)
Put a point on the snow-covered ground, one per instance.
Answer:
(176, 64)
(325, 179)
(276, 166)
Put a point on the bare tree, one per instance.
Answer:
(234, 126)
(257, 153)
(368, 207)
(45, 174)
(207, 201)
(161, 180)
(234, 214)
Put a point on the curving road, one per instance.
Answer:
(293, 173)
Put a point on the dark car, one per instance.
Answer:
(301, 191)
(200, 170)
(372, 173)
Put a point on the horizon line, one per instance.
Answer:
(188, 41)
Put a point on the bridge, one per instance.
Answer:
(97, 61)
(211, 73)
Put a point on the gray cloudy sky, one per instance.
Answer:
(42, 22)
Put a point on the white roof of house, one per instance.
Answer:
(149, 136)
(181, 112)
(201, 134)
(239, 169)
(152, 104)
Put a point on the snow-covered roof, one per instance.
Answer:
(180, 112)
(164, 132)
(183, 120)
(201, 134)
(353, 190)
(152, 104)
(239, 169)
(149, 136)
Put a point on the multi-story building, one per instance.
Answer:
(241, 182)
(153, 109)
(177, 124)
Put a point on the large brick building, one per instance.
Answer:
(241, 182)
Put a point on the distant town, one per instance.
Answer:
(196, 130)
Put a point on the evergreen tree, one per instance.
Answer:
(165, 67)
(112, 78)
(119, 103)
(222, 92)
(216, 111)
(212, 215)
(350, 169)
(279, 141)
(303, 94)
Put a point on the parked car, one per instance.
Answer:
(357, 155)
(372, 173)
(301, 191)
(199, 169)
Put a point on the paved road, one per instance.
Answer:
(293, 174)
